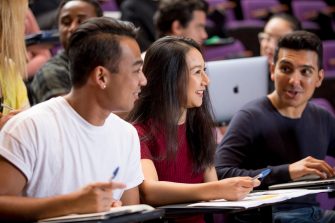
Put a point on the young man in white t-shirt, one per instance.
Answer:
(71, 154)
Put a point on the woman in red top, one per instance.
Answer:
(173, 119)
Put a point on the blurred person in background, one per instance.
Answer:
(13, 93)
(53, 79)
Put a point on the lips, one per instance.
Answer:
(136, 94)
(293, 93)
(200, 92)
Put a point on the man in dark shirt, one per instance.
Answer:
(283, 131)
(53, 79)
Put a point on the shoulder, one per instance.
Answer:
(56, 64)
(315, 110)
(120, 125)
(256, 106)
(34, 117)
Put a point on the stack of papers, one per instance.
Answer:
(259, 198)
(113, 212)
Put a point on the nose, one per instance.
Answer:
(74, 25)
(143, 79)
(204, 35)
(295, 79)
(205, 79)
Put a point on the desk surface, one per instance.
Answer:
(131, 217)
(136, 217)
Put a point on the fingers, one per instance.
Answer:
(319, 167)
(116, 203)
(248, 182)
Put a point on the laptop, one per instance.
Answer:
(235, 82)
(311, 184)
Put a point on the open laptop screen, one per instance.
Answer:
(235, 82)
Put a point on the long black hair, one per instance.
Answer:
(161, 100)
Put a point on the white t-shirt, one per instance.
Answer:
(59, 152)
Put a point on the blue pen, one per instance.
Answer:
(114, 173)
(263, 174)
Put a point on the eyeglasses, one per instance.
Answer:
(262, 36)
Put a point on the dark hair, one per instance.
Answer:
(300, 40)
(96, 43)
(294, 23)
(180, 10)
(166, 70)
(96, 5)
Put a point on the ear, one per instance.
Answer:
(100, 77)
(176, 28)
(272, 71)
(320, 77)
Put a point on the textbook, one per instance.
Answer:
(113, 212)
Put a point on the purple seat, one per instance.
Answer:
(250, 7)
(229, 13)
(329, 55)
(324, 200)
(219, 52)
(110, 5)
(302, 10)
(324, 103)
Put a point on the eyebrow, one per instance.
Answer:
(300, 66)
(196, 67)
(138, 62)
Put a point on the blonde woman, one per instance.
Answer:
(13, 92)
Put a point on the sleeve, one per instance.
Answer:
(144, 143)
(134, 173)
(236, 147)
(16, 145)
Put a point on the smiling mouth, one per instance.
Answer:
(200, 92)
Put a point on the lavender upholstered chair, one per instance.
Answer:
(230, 15)
(324, 103)
(324, 200)
(301, 9)
(219, 52)
(329, 58)
(110, 5)
(249, 7)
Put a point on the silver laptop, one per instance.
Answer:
(235, 82)
(313, 184)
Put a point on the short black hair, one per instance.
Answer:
(180, 10)
(96, 5)
(96, 42)
(301, 40)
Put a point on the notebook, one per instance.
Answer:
(317, 184)
(113, 212)
(235, 82)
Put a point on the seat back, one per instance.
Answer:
(110, 5)
(326, 202)
(329, 55)
(253, 8)
(227, 51)
(324, 103)
(304, 9)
